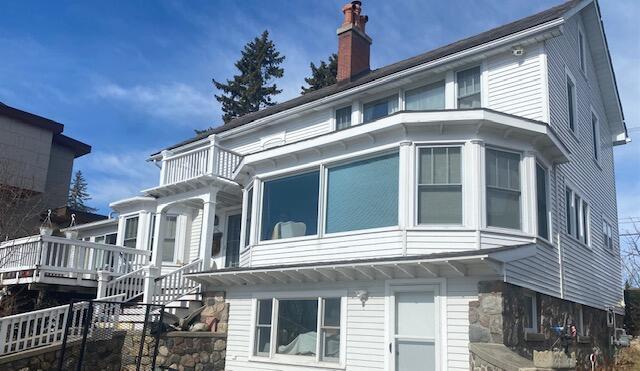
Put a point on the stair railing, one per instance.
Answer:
(174, 285)
(128, 285)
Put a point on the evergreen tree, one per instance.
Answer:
(78, 194)
(253, 88)
(322, 75)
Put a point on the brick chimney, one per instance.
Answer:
(353, 43)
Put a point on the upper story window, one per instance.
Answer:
(595, 131)
(130, 232)
(363, 194)
(247, 217)
(429, 97)
(578, 215)
(503, 189)
(290, 206)
(169, 240)
(343, 118)
(582, 52)
(571, 102)
(542, 199)
(380, 108)
(607, 234)
(468, 82)
(439, 186)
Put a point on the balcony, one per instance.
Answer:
(211, 160)
(56, 260)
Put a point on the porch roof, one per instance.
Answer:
(458, 263)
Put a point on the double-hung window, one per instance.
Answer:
(595, 131)
(130, 232)
(380, 108)
(343, 118)
(429, 97)
(468, 82)
(571, 103)
(607, 234)
(169, 240)
(582, 52)
(541, 200)
(308, 328)
(247, 217)
(578, 216)
(363, 194)
(439, 186)
(290, 206)
(503, 189)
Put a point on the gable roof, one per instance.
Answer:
(537, 19)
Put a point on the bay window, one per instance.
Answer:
(503, 189)
(429, 97)
(130, 232)
(541, 199)
(363, 194)
(290, 206)
(304, 327)
(468, 82)
(439, 186)
(380, 108)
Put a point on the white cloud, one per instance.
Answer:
(177, 102)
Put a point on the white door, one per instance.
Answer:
(415, 329)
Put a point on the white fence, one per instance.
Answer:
(129, 285)
(174, 285)
(67, 258)
(212, 160)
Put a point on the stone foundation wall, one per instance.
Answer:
(497, 317)
(191, 351)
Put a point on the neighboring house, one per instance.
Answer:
(437, 213)
(36, 161)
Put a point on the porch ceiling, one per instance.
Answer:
(229, 193)
(455, 264)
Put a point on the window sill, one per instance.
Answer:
(597, 163)
(507, 231)
(579, 241)
(574, 133)
(545, 242)
(440, 227)
(288, 362)
(289, 239)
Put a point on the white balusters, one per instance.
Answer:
(174, 285)
(211, 159)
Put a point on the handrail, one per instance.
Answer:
(95, 245)
(129, 285)
(172, 286)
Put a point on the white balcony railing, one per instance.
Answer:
(67, 258)
(210, 160)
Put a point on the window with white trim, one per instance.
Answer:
(542, 200)
(607, 235)
(343, 118)
(571, 103)
(595, 131)
(530, 317)
(503, 189)
(109, 239)
(247, 217)
(469, 88)
(428, 97)
(582, 52)
(439, 185)
(130, 232)
(308, 328)
(380, 108)
(169, 240)
(578, 216)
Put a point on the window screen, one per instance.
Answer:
(363, 194)
(440, 186)
(297, 327)
(503, 189)
(430, 97)
(290, 206)
(469, 88)
(343, 118)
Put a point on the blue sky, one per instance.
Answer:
(130, 77)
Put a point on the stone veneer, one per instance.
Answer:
(497, 317)
(192, 351)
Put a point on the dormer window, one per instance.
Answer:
(469, 88)
(424, 98)
(380, 108)
(343, 118)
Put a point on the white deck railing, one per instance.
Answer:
(41, 327)
(210, 160)
(66, 258)
(129, 285)
(174, 285)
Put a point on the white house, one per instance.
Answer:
(371, 224)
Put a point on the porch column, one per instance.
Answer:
(206, 237)
(158, 233)
(150, 274)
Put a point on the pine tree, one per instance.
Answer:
(252, 89)
(78, 194)
(322, 75)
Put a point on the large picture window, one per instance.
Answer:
(541, 196)
(130, 232)
(380, 108)
(429, 97)
(439, 186)
(290, 207)
(308, 327)
(468, 82)
(503, 189)
(363, 194)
